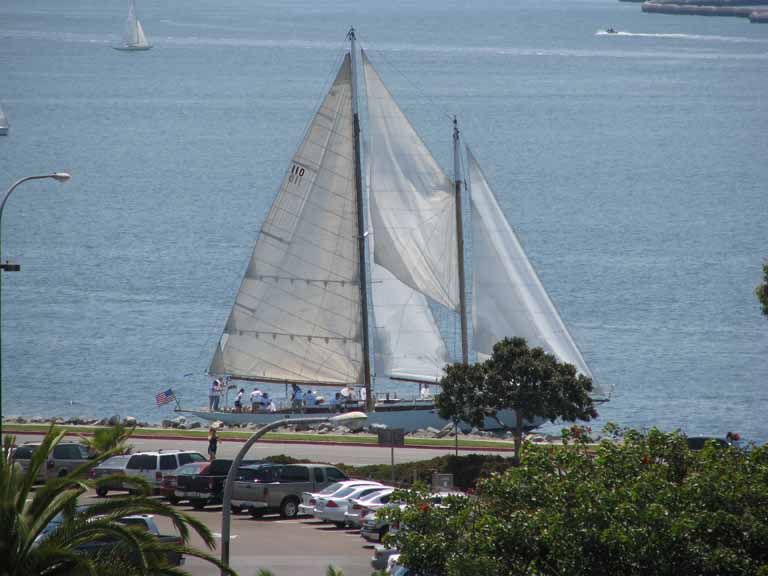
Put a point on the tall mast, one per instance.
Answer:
(460, 242)
(360, 224)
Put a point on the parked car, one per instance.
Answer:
(152, 466)
(309, 499)
(278, 488)
(359, 507)
(144, 522)
(698, 442)
(114, 466)
(333, 508)
(65, 457)
(206, 486)
(381, 555)
(169, 484)
(375, 528)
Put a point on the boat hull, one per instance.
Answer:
(132, 48)
(410, 418)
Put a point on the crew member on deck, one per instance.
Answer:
(255, 399)
(309, 399)
(239, 400)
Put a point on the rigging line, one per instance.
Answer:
(422, 93)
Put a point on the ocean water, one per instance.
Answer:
(633, 166)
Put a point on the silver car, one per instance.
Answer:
(64, 458)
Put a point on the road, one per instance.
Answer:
(347, 454)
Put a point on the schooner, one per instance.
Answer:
(301, 315)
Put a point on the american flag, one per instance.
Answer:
(165, 397)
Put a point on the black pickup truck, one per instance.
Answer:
(206, 488)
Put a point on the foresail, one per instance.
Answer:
(141, 39)
(408, 341)
(297, 316)
(411, 203)
(508, 298)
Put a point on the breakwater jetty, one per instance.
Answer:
(756, 15)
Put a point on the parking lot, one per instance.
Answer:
(303, 546)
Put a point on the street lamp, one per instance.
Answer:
(227, 500)
(9, 266)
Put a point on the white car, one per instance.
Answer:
(332, 508)
(359, 507)
(152, 466)
(309, 499)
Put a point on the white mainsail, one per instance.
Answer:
(508, 298)
(134, 33)
(411, 204)
(297, 315)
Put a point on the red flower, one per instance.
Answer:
(424, 507)
(646, 460)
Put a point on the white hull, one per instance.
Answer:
(127, 48)
(418, 415)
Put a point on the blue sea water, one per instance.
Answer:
(634, 167)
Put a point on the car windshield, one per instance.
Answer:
(346, 491)
(330, 489)
(119, 461)
(376, 494)
(192, 468)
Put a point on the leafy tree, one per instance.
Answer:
(644, 506)
(114, 438)
(762, 290)
(25, 513)
(527, 381)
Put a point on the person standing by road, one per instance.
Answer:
(213, 443)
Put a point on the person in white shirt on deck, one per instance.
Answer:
(255, 399)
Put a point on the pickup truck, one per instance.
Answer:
(144, 522)
(208, 487)
(270, 488)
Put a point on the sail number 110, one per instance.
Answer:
(297, 173)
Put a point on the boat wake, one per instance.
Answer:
(681, 36)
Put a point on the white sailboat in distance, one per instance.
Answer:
(301, 316)
(134, 39)
(3, 123)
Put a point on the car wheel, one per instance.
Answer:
(101, 492)
(236, 509)
(256, 513)
(173, 500)
(198, 504)
(340, 524)
(289, 508)
(62, 473)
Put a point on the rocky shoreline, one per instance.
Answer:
(183, 423)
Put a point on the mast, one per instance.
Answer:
(460, 242)
(360, 224)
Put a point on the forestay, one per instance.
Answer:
(508, 298)
(411, 203)
(297, 315)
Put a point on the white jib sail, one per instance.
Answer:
(412, 205)
(508, 298)
(408, 343)
(141, 39)
(297, 316)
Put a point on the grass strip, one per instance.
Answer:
(278, 436)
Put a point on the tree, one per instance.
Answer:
(641, 506)
(527, 381)
(24, 515)
(114, 438)
(762, 290)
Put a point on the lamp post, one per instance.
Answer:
(9, 266)
(227, 499)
